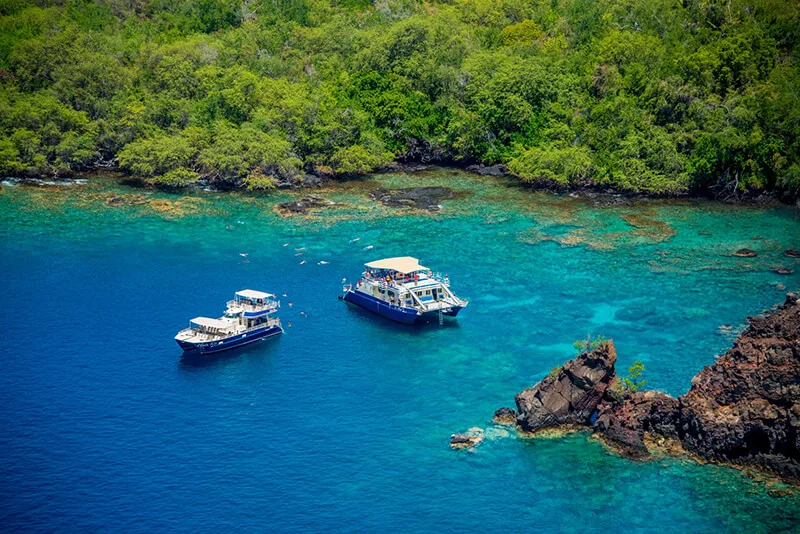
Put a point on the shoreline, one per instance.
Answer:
(309, 182)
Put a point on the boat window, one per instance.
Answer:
(428, 292)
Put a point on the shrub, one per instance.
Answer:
(587, 345)
(174, 179)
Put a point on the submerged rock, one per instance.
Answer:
(791, 253)
(126, 200)
(505, 416)
(303, 205)
(424, 198)
(783, 270)
(745, 253)
(569, 395)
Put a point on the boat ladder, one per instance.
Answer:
(441, 317)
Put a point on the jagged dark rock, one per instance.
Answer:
(505, 416)
(629, 441)
(624, 422)
(569, 395)
(745, 408)
(745, 253)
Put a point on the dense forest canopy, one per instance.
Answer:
(654, 96)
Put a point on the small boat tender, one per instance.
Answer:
(247, 319)
(403, 290)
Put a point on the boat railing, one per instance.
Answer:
(272, 321)
(248, 306)
(443, 278)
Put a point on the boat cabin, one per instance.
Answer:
(254, 303)
(212, 327)
(402, 281)
(405, 288)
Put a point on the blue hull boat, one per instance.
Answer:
(232, 342)
(402, 290)
(247, 319)
(395, 313)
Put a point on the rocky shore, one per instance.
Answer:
(743, 410)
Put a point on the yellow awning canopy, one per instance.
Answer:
(403, 264)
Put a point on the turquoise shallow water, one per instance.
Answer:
(342, 424)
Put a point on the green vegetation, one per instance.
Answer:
(582, 346)
(621, 387)
(633, 382)
(654, 96)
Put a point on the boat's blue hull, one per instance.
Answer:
(395, 313)
(210, 347)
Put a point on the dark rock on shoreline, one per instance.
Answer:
(424, 198)
(791, 253)
(569, 395)
(411, 168)
(303, 205)
(745, 253)
(490, 170)
(743, 410)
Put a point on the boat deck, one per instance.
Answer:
(192, 335)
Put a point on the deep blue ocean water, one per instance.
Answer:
(342, 424)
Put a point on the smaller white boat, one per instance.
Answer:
(247, 319)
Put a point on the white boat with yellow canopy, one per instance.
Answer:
(403, 290)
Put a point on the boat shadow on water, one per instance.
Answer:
(258, 350)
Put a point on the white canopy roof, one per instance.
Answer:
(211, 323)
(253, 294)
(403, 264)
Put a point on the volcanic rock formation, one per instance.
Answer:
(570, 395)
(742, 410)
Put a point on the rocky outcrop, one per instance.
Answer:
(742, 410)
(468, 439)
(569, 395)
(505, 416)
(625, 423)
(745, 408)
(745, 253)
